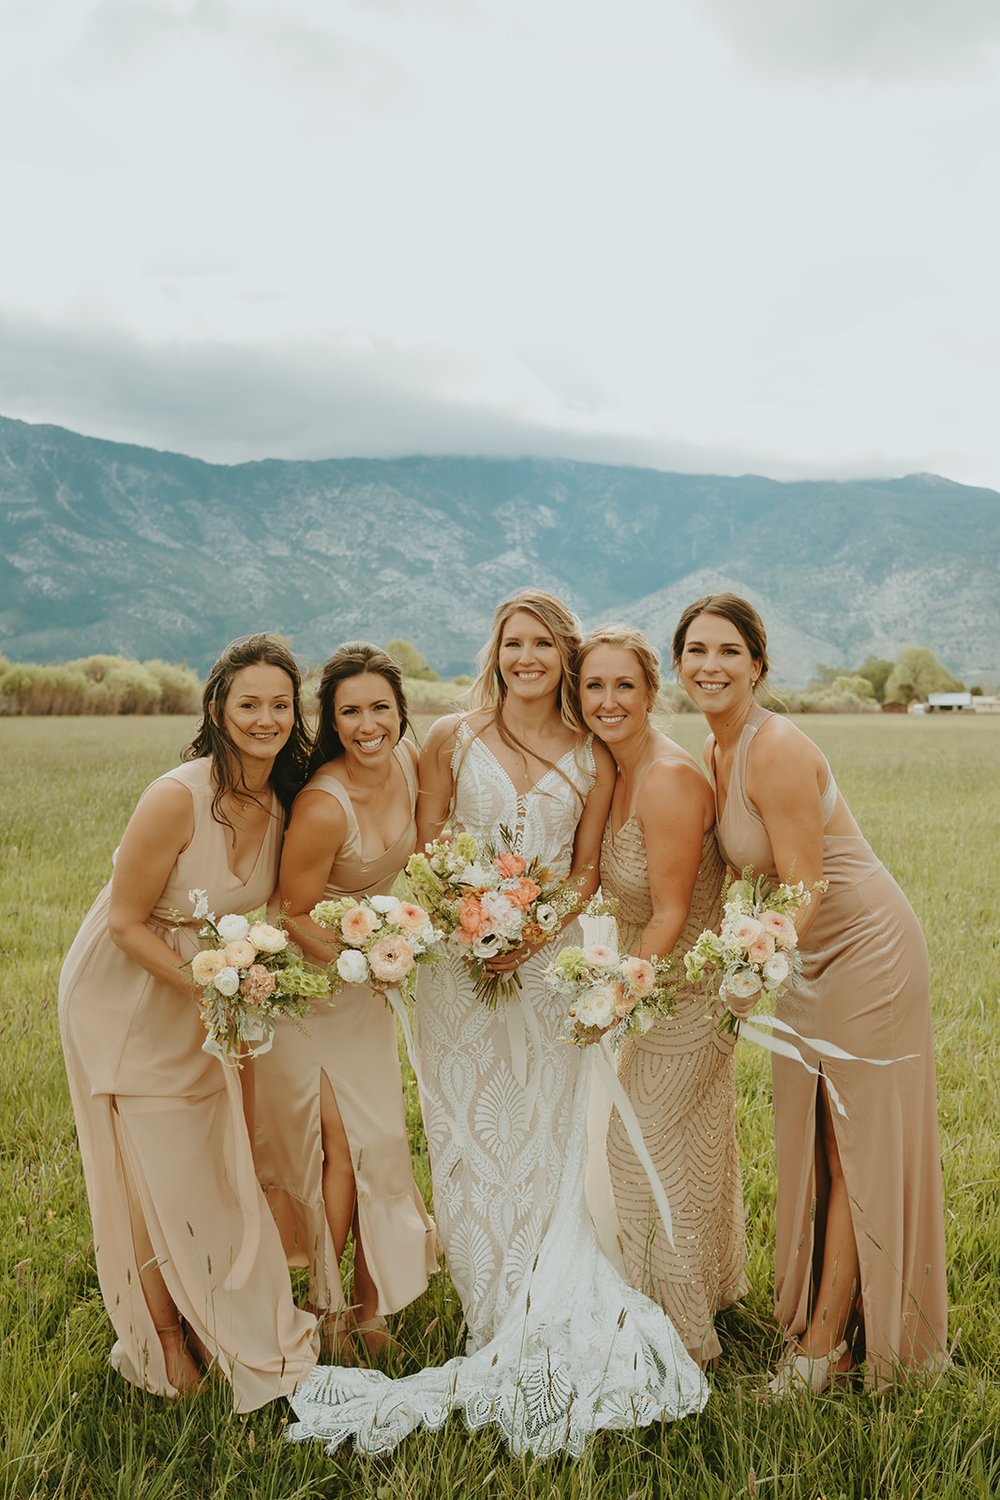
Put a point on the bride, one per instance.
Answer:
(559, 1345)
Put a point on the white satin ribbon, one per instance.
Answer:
(815, 1044)
(233, 1060)
(605, 1071)
(521, 1022)
(398, 1006)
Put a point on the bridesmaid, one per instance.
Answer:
(860, 1231)
(189, 1262)
(332, 1147)
(660, 860)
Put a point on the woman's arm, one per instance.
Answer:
(317, 829)
(783, 776)
(436, 785)
(674, 804)
(159, 829)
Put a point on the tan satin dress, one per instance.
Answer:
(865, 986)
(681, 1082)
(353, 1043)
(163, 1140)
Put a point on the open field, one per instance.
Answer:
(927, 793)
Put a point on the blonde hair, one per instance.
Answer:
(489, 691)
(623, 638)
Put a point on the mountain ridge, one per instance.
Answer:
(110, 546)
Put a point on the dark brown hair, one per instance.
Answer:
(739, 612)
(351, 660)
(212, 737)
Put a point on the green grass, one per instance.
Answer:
(927, 793)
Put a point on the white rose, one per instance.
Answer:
(232, 928)
(503, 918)
(741, 985)
(384, 904)
(227, 981)
(547, 917)
(352, 966)
(776, 971)
(267, 939)
(596, 1007)
(477, 875)
(642, 1020)
(599, 956)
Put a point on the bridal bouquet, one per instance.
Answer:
(487, 901)
(756, 950)
(611, 994)
(249, 978)
(380, 940)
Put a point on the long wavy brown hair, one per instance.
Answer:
(351, 660)
(740, 613)
(213, 739)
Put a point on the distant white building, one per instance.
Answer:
(949, 702)
(986, 703)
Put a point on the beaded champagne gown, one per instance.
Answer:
(559, 1345)
(680, 1079)
(865, 986)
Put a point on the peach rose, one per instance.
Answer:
(358, 924)
(527, 891)
(411, 918)
(624, 1003)
(640, 974)
(267, 939)
(390, 959)
(781, 928)
(762, 949)
(510, 866)
(747, 931)
(241, 954)
(470, 919)
(599, 956)
(206, 964)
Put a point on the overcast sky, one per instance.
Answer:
(702, 234)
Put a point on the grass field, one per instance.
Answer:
(927, 793)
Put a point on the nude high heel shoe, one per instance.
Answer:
(804, 1372)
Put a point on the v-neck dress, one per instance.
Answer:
(163, 1139)
(680, 1079)
(865, 986)
(352, 1043)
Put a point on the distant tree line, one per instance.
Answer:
(117, 685)
(98, 685)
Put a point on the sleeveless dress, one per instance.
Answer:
(353, 1043)
(163, 1139)
(865, 986)
(559, 1344)
(682, 1084)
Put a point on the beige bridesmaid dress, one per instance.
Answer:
(163, 1139)
(681, 1082)
(865, 986)
(353, 1043)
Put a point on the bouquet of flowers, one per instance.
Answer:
(249, 977)
(610, 993)
(380, 940)
(756, 950)
(487, 900)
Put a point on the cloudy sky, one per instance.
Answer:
(702, 234)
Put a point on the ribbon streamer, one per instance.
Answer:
(633, 1130)
(815, 1044)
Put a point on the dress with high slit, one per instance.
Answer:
(163, 1138)
(352, 1043)
(559, 1345)
(865, 987)
(681, 1082)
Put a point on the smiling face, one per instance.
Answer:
(366, 717)
(716, 667)
(528, 660)
(259, 711)
(615, 698)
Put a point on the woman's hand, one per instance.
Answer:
(158, 831)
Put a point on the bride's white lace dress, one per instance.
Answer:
(559, 1345)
